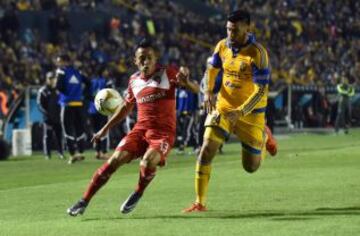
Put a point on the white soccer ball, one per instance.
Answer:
(107, 101)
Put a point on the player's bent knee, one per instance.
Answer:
(251, 168)
(119, 158)
(151, 158)
(251, 162)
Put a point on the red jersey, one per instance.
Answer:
(155, 99)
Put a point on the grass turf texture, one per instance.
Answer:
(311, 188)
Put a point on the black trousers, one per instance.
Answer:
(98, 121)
(343, 116)
(50, 129)
(73, 122)
(187, 130)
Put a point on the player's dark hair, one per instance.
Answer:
(239, 16)
(145, 43)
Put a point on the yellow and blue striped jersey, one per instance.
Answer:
(246, 74)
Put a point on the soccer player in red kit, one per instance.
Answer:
(152, 89)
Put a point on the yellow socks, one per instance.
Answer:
(202, 176)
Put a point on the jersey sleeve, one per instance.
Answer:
(215, 59)
(215, 65)
(171, 72)
(109, 84)
(87, 89)
(60, 80)
(41, 100)
(129, 97)
(260, 66)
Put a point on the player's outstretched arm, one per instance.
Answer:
(209, 97)
(184, 80)
(118, 116)
(249, 104)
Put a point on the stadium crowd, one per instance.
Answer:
(309, 42)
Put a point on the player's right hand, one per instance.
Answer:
(209, 101)
(97, 137)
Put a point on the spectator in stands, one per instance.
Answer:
(48, 4)
(23, 5)
(308, 43)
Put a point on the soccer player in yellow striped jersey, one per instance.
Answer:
(240, 104)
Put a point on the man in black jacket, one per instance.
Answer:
(47, 100)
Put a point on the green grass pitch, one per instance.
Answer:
(311, 188)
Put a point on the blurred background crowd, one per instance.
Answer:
(310, 42)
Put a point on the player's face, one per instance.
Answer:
(237, 32)
(145, 60)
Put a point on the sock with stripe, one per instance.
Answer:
(100, 177)
(146, 175)
(202, 176)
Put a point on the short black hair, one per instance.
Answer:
(239, 16)
(144, 43)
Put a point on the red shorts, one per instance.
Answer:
(137, 141)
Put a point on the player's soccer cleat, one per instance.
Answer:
(101, 157)
(75, 158)
(78, 208)
(195, 207)
(130, 203)
(271, 144)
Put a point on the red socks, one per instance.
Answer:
(101, 176)
(146, 175)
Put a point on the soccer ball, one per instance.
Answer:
(107, 101)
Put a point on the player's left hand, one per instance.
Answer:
(183, 76)
(97, 137)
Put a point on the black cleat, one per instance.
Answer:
(75, 158)
(78, 208)
(130, 203)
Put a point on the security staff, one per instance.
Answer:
(345, 92)
(73, 88)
